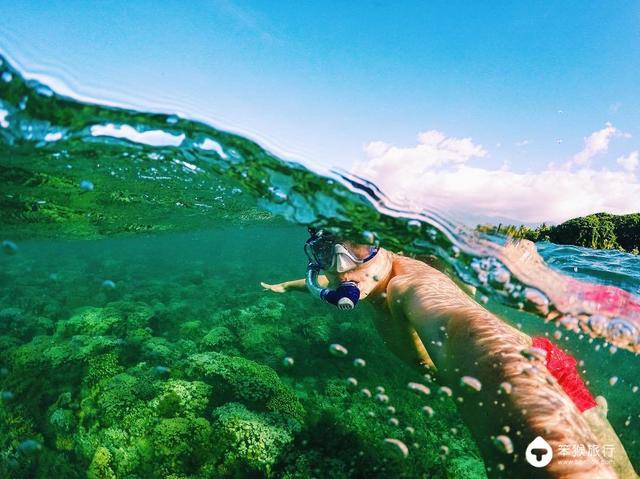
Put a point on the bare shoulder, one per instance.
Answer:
(412, 273)
(419, 288)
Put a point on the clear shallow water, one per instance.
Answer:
(87, 190)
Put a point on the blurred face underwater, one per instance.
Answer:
(331, 254)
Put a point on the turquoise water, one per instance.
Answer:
(135, 340)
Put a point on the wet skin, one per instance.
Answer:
(430, 322)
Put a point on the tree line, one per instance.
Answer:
(600, 230)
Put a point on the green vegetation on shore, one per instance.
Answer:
(600, 231)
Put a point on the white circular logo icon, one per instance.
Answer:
(539, 452)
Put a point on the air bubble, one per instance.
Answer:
(622, 332)
(598, 324)
(613, 380)
(287, 362)
(444, 391)
(365, 393)
(391, 409)
(29, 447)
(505, 388)
(368, 237)
(501, 276)
(382, 398)
(278, 196)
(6, 395)
(537, 299)
(9, 247)
(352, 382)
(428, 410)
(7, 77)
(503, 444)
(393, 421)
(399, 445)
(359, 363)
(338, 350)
(470, 384)
(414, 226)
(162, 371)
(419, 388)
(44, 91)
(534, 354)
(108, 284)
(86, 185)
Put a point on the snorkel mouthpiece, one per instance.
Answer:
(345, 297)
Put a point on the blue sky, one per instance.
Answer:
(326, 80)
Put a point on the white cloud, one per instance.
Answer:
(437, 173)
(522, 143)
(629, 162)
(434, 149)
(597, 142)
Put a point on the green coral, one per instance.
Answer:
(218, 338)
(190, 330)
(90, 321)
(102, 366)
(182, 398)
(114, 398)
(100, 467)
(238, 378)
(251, 442)
(181, 444)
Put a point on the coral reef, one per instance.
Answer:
(174, 373)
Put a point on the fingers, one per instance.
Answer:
(602, 405)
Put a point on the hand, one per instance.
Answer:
(276, 288)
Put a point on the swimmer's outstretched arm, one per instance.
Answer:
(294, 285)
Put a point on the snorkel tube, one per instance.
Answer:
(345, 297)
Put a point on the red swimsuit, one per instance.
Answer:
(562, 366)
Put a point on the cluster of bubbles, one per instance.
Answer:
(494, 278)
(468, 384)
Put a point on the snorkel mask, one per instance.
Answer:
(326, 252)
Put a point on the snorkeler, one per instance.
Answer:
(510, 388)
